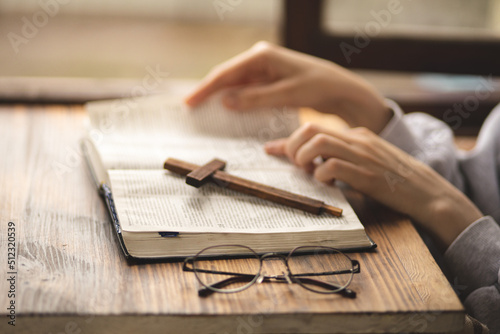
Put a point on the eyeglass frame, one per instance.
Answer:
(288, 277)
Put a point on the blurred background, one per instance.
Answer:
(119, 38)
(411, 50)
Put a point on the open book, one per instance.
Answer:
(156, 214)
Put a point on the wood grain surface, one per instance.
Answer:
(73, 278)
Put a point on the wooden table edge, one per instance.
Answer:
(425, 322)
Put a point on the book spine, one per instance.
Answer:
(110, 203)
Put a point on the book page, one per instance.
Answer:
(135, 137)
(154, 200)
(143, 133)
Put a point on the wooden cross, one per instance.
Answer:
(212, 171)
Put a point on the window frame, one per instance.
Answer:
(303, 31)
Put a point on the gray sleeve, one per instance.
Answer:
(474, 261)
(427, 139)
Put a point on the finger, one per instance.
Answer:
(275, 94)
(276, 147)
(304, 134)
(372, 147)
(345, 171)
(212, 83)
(226, 74)
(298, 138)
(326, 146)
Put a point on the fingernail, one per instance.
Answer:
(231, 100)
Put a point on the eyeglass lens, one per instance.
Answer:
(311, 265)
(227, 274)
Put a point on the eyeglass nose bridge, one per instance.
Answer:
(286, 276)
(280, 256)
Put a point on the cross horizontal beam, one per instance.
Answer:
(212, 172)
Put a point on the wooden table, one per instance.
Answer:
(71, 277)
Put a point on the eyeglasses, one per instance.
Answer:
(316, 268)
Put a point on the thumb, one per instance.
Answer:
(259, 95)
(276, 147)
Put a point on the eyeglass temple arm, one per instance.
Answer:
(207, 290)
(346, 292)
(355, 270)
(185, 267)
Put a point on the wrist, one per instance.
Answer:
(358, 103)
(448, 216)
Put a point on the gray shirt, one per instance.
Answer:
(473, 259)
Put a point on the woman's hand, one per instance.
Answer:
(267, 75)
(380, 170)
